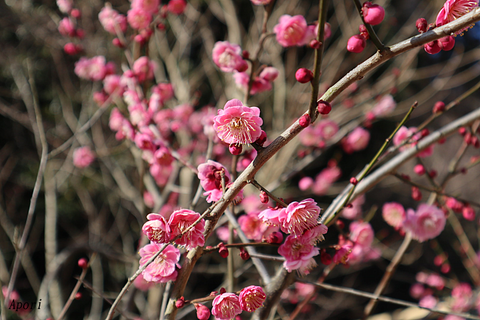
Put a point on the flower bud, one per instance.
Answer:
(421, 25)
(180, 302)
(353, 181)
(244, 254)
(357, 43)
(468, 213)
(315, 44)
(432, 47)
(373, 14)
(325, 258)
(419, 169)
(223, 251)
(439, 107)
(324, 107)
(304, 120)
(78, 296)
(275, 237)
(263, 138)
(203, 313)
(75, 13)
(416, 194)
(446, 43)
(83, 263)
(264, 197)
(303, 75)
(235, 149)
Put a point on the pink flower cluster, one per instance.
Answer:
(424, 224)
(262, 82)
(294, 31)
(323, 181)
(158, 230)
(317, 135)
(300, 220)
(112, 21)
(93, 69)
(408, 137)
(227, 305)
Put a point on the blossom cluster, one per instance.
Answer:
(227, 305)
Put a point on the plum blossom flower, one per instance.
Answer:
(356, 140)
(177, 6)
(405, 133)
(290, 31)
(454, 9)
(355, 211)
(146, 5)
(237, 123)
(251, 298)
(298, 253)
(384, 107)
(253, 226)
(93, 69)
(228, 57)
(425, 223)
(226, 306)
(162, 269)
(111, 19)
(138, 18)
(182, 219)
(210, 175)
(156, 228)
(298, 217)
(325, 179)
(394, 214)
(260, 2)
(83, 157)
(143, 68)
(462, 297)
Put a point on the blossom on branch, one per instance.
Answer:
(163, 268)
(425, 223)
(182, 219)
(237, 123)
(228, 57)
(226, 306)
(454, 9)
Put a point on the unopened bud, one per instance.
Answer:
(83, 263)
(304, 120)
(275, 237)
(439, 107)
(324, 107)
(264, 197)
(180, 302)
(244, 254)
(223, 251)
(421, 25)
(303, 75)
(235, 149)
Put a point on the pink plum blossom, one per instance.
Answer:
(325, 179)
(83, 157)
(176, 6)
(228, 57)
(356, 43)
(361, 233)
(146, 5)
(299, 253)
(139, 19)
(425, 223)
(290, 31)
(111, 20)
(226, 306)
(342, 254)
(384, 107)
(270, 216)
(157, 229)
(65, 6)
(373, 13)
(141, 284)
(298, 217)
(143, 69)
(182, 219)
(394, 214)
(462, 297)
(305, 183)
(403, 134)
(356, 140)
(253, 226)
(327, 129)
(163, 268)
(237, 123)
(93, 69)
(454, 9)
(428, 302)
(112, 85)
(210, 175)
(251, 298)
(66, 27)
(258, 85)
(355, 212)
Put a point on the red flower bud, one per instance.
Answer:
(223, 251)
(304, 120)
(235, 149)
(446, 43)
(419, 169)
(353, 181)
(303, 75)
(83, 263)
(416, 194)
(356, 43)
(180, 302)
(324, 107)
(264, 197)
(421, 25)
(373, 13)
(439, 107)
(275, 237)
(244, 254)
(263, 138)
(432, 47)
